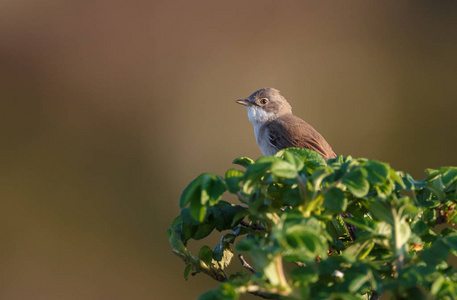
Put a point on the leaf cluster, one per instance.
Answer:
(346, 229)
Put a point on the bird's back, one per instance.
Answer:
(291, 131)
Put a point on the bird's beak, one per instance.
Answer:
(244, 102)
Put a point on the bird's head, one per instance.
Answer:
(265, 105)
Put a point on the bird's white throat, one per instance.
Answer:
(258, 116)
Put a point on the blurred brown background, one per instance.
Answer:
(108, 109)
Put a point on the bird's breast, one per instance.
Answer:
(261, 136)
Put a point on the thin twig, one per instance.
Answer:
(200, 266)
(254, 226)
(245, 264)
(263, 295)
(221, 276)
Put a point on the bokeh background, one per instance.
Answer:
(108, 109)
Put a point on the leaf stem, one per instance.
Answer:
(302, 188)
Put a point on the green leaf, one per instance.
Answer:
(419, 227)
(246, 245)
(311, 157)
(378, 172)
(356, 282)
(218, 252)
(436, 185)
(205, 190)
(319, 175)
(437, 253)
(211, 295)
(345, 296)
(436, 286)
(305, 274)
(356, 183)
(175, 240)
(186, 217)
(208, 191)
(194, 229)
(233, 179)
(452, 218)
(384, 190)
(304, 291)
(291, 196)
(238, 217)
(451, 241)
(177, 222)
(397, 179)
(255, 172)
(294, 159)
(303, 242)
(430, 217)
(197, 211)
(188, 232)
(224, 215)
(359, 251)
(186, 271)
(206, 254)
(362, 223)
(382, 211)
(212, 189)
(412, 184)
(228, 291)
(243, 161)
(225, 292)
(337, 228)
(201, 231)
(335, 200)
(283, 169)
(257, 202)
(223, 254)
(448, 174)
(190, 192)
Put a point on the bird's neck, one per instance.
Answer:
(258, 116)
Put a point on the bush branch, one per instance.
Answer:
(245, 264)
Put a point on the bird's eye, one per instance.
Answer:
(263, 101)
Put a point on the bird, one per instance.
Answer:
(276, 128)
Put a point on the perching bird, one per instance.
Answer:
(276, 128)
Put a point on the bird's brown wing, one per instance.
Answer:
(291, 131)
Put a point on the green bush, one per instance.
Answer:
(346, 229)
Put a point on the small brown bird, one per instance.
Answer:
(276, 128)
